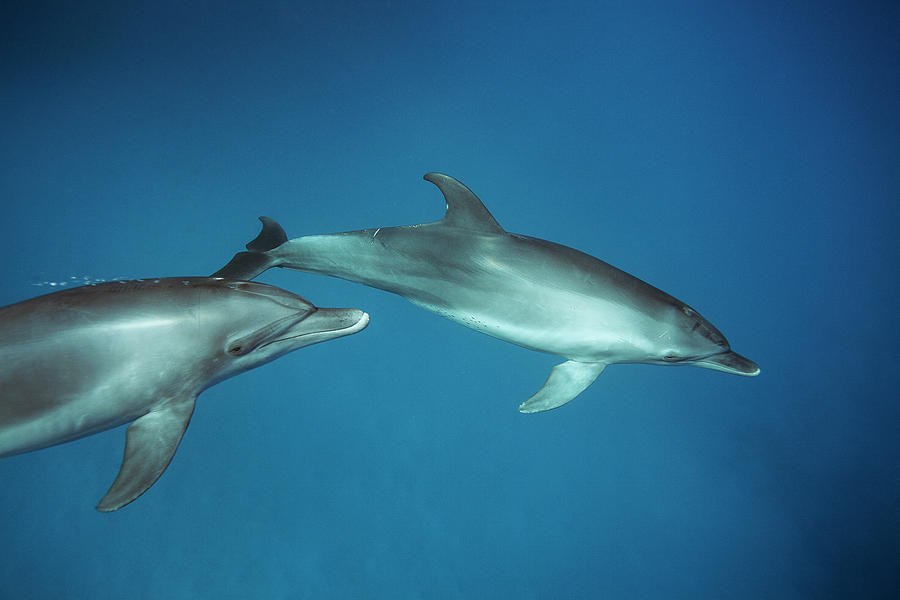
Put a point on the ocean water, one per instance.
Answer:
(742, 156)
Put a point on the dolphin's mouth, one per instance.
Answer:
(729, 362)
(325, 324)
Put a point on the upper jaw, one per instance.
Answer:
(325, 324)
(729, 362)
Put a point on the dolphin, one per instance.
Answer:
(83, 360)
(531, 292)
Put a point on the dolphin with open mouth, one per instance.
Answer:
(83, 360)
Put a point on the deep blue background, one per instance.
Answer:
(742, 156)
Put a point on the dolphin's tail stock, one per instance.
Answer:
(247, 265)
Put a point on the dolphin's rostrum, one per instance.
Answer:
(87, 359)
(524, 290)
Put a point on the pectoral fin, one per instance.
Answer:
(150, 444)
(566, 381)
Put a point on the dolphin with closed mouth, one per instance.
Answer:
(83, 360)
(531, 292)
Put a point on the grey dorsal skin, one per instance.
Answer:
(80, 361)
(524, 290)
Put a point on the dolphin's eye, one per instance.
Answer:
(670, 358)
(235, 350)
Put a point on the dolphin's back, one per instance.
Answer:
(524, 290)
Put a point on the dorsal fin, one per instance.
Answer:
(464, 209)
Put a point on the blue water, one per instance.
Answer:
(742, 156)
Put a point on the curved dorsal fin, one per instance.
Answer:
(464, 209)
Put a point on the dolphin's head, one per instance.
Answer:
(692, 340)
(260, 322)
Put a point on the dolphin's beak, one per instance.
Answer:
(730, 362)
(326, 324)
